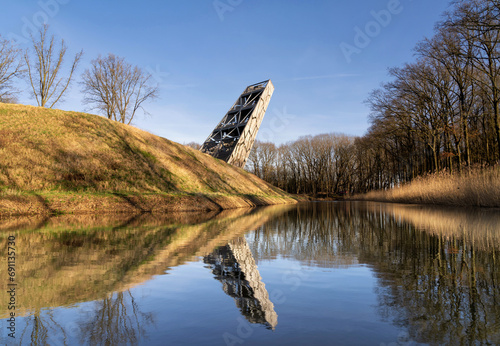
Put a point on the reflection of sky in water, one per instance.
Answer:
(350, 280)
(189, 307)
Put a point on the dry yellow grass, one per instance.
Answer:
(480, 188)
(57, 161)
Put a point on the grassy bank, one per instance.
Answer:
(480, 188)
(53, 161)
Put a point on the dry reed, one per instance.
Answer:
(479, 188)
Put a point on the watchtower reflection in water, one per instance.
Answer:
(234, 266)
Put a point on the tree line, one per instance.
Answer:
(439, 112)
(322, 164)
(111, 86)
(442, 111)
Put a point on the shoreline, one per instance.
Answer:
(424, 204)
(55, 203)
(60, 162)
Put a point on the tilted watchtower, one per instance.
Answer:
(233, 138)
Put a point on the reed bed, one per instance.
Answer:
(479, 188)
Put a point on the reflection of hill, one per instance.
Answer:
(59, 264)
(235, 267)
(437, 269)
(443, 283)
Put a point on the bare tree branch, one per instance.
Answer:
(116, 88)
(11, 66)
(44, 67)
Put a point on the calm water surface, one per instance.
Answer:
(313, 274)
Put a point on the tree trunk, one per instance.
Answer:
(497, 126)
(463, 119)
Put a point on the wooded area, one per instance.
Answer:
(440, 112)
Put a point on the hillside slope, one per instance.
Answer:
(55, 161)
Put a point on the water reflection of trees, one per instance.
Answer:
(441, 283)
(115, 320)
(40, 325)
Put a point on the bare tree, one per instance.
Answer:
(477, 23)
(193, 145)
(455, 55)
(46, 68)
(11, 66)
(116, 88)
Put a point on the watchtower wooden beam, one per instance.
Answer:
(234, 136)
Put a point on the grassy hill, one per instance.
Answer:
(53, 161)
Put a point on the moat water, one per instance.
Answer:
(339, 273)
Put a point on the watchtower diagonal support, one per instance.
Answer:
(234, 136)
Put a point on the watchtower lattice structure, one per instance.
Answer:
(233, 138)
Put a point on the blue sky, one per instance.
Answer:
(324, 57)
